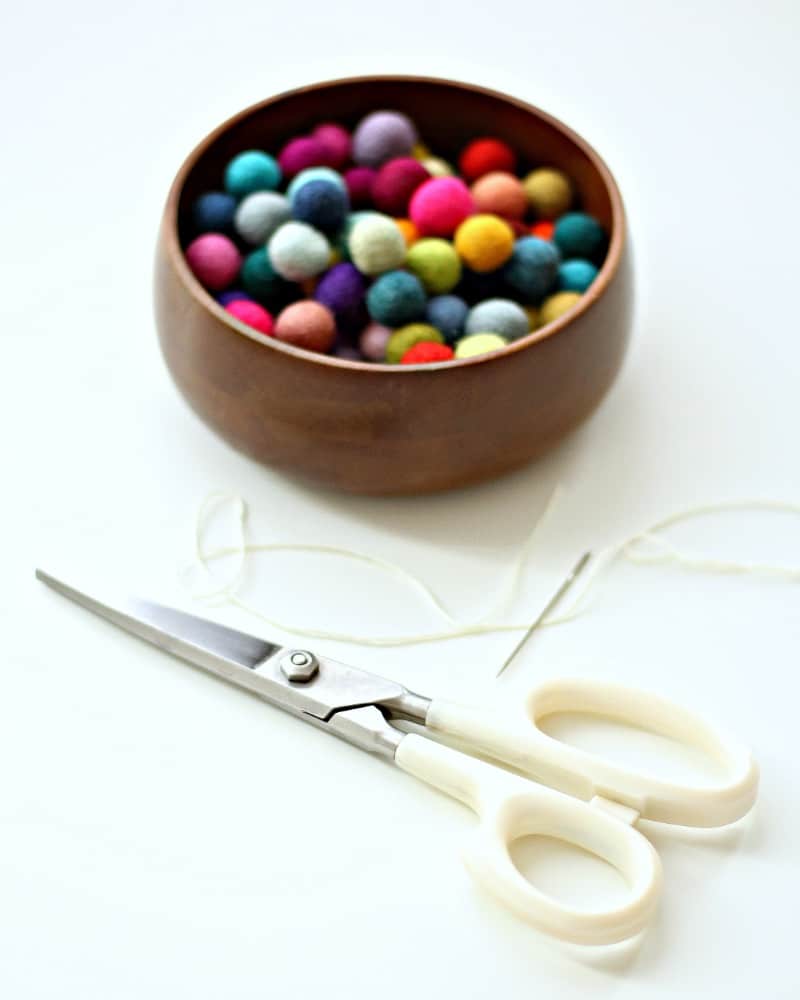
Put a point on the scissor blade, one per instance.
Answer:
(198, 640)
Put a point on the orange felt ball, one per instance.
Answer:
(484, 242)
(306, 324)
(500, 193)
(481, 156)
(409, 231)
(543, 229)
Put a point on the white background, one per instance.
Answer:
(163, 835)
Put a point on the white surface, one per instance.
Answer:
(163, 835)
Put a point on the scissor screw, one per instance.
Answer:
(299, 666)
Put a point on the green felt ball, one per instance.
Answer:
(407, 336)
(436, 264)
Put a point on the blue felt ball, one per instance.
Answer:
(252, 171)
(314, 174)
(577, 234)
(576, 275)
(396, 298)
(321, 204)
(533, 269)
(213, 212)
(448, 314)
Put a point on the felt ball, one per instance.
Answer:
(437, 167)
(298, 251)
(543, 229)
(534, 319)
(373, 340)
(252, 314)
(548, 191)
(479, 343)
(580, 235)
(321, 204)
(341, 289)
(502, 316)
(251, 171)
(395, 298)
(484, 242)
(347, 352)
(447, 313)
(533, 268)
(232, 295)
(402, 340)
(314, 174)
(409, 231)
(213, 260)
(500, 193)
(306, 324)
(359, 181)
(336, 142)
(259, 214)
(213, 212)
(576, 275)
(301, 152)
(259, 277)
(556, 305)
(395, 182)
(381, 136)
(436, 264)
(482, 156)
(440, 205)
(420, 151)
(376, 244)
(426, 352)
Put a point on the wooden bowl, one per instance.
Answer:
(383, 429)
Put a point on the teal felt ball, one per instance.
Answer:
(260, 279)
(251, 171)
(533, 269)
(577, 234)
(396, 298)
(576, 275)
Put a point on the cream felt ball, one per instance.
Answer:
(375, 244)
(479, 343)
(436, 264)
(502, 316)
(298, 251)
(381, 136)
(259, 214)
(440, 205)
(306, 324)
(395, 298)
(436, 166)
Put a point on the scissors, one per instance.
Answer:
(567, 794)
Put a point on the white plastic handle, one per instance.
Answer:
(517, 740)
(510, 807)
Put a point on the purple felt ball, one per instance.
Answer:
(297, 154)
(336, 141)
(359, 181)
(234, 295)
(214, 260)
(382, 136)
(341, 289)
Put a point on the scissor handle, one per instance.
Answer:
(510, 807)
(516, 739)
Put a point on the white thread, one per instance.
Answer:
(645, 547)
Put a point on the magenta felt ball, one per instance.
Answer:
(396, 181)
(440, 205)
(214, 260)
(300, 153)
(252, 314)
(336, 141)
(359, 181)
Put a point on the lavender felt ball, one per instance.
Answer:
(382, 136)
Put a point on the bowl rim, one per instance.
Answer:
(206, 300)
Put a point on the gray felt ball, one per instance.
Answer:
(501, 316)
(260, 214)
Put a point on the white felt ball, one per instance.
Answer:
(259, 215)
(298, 251)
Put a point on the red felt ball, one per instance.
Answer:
(307, 324)
(336, 141)
(482, 156)
(359, 181)
(440, 205)
(395, 182)
(425, 352)
(544, 229)
(300, 153)
(252, 314)
(214, 260)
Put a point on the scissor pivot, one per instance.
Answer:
(299, 666)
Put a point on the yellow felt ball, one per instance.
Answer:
(420, 151)
(479, 343)
(484, 242)
(549, 192)
(437, 167)
(534, 320)
(556, 305)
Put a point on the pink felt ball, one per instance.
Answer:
(373, 340)
(440, 205)
(214, 260)
(252, 314)
(297, 154)
(306, 324)
(396, 181)
(336, 141)
(359, 181)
